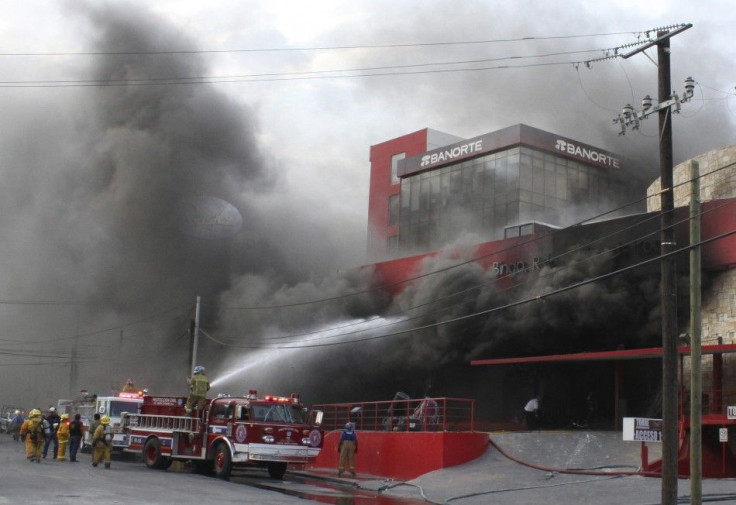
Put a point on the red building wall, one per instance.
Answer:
(381, 188)
(404, 455)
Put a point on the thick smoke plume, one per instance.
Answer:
(99, 186)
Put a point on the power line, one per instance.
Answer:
(471, 260)
(315, 48)
(524, 301)
(649, 217)
(382, 71)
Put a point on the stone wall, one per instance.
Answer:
(717, 179)
(718, 310)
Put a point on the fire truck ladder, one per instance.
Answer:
(163, 423)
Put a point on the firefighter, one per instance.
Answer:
(62, 434)
(129, 386)
(198, 387)
(347, 448)
(102, 443)
(32, 430)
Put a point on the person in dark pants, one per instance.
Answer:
(75, 437)
(54, 420)
(531, 414)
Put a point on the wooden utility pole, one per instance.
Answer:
(668, 275)
(696, 379)
(668, 286)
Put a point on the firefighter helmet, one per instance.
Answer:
(105, 420)
(64, 416)
(199, 369)
(34, 413)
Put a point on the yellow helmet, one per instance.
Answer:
(64, 416)
(34, 413)
(105, 420)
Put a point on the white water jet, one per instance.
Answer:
(343, 333)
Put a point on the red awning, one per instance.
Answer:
(624, 354)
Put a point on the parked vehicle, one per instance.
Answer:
(266, 431)
(7, 413)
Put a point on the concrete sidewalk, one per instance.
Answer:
(606, 460)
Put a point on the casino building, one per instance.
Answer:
(516, 192)
(428, 188)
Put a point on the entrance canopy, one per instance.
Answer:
(623, 354)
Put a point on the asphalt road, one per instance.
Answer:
(601, 467)
(128, 481)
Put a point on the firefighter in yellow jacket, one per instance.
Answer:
(102, 443)
(198, 387)
(62, 435)
(32, 430)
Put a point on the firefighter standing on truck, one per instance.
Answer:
(102, 443)
(198, 387)
(347, 448)
(32, 430)
(129, 386)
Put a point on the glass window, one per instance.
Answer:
(222, 411)
(278, 413)
(392, 244)
(511, 232)
(526, 229)
(395, 167)
(118, 407)
(393, 209)
(242, 413)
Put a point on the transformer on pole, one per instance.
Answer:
(668, 284)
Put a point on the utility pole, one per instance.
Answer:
(195, 335)
(74, 365)
(668, 276)
(696, 379)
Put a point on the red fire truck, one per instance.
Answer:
(267, 431)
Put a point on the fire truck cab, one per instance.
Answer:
(115, 407)
(267, 431)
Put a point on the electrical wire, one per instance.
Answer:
(506, 306)
(610, 53)
(518, 245)
(318, 48)
(482, 285)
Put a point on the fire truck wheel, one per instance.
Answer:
(223, 464)
(277, 470)
(152, 453)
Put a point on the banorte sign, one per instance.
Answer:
(506, 139)
(456, 152)
(587, 154)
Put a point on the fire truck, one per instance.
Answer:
(265, 431)
(84, 405)
(115, 407)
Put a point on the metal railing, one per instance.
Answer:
(402, 414)
(157, 422)
(714, 401)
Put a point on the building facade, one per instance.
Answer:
(490, 186)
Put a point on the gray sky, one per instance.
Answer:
(94, 177)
